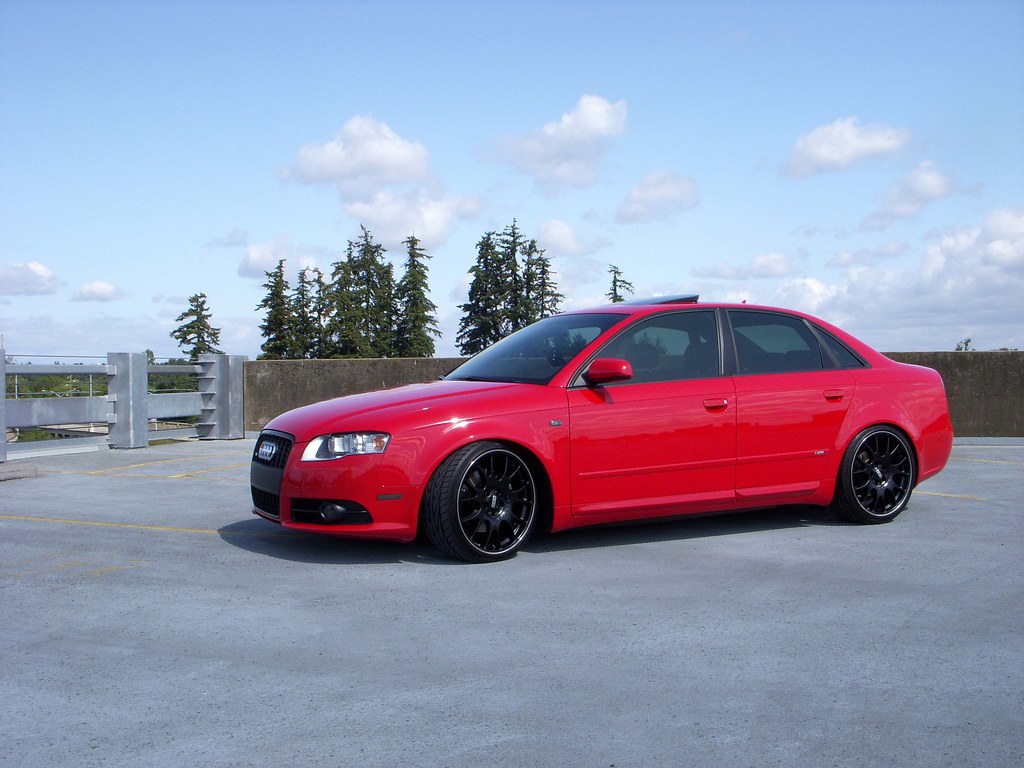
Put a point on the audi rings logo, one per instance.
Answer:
(266, 451)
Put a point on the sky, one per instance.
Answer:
(861, 161)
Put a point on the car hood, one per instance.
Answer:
(413, 406)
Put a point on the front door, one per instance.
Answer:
(662, 442)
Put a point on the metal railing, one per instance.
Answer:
(129, 407)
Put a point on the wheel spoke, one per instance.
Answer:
(881, 473)
(496, 502)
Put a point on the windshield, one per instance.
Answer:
(536, 353)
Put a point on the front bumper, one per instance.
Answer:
(342, 497)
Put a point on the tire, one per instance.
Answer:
(481, 503)
(876, 477)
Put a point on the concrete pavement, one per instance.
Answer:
(148, 619)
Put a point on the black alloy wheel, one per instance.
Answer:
(481, 503)
(876, 477)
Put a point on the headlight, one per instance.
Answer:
(328, 447)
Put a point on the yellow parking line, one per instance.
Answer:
(128, 471)
(155, 462)
(145, 464)
(138, 526)
(212, 469)
(950, 495)
(989, 461)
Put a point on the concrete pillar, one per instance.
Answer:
(3, 406)
(127, 393)
(221, 388)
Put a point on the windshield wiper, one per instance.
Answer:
(474, 378)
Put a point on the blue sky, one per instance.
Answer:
(862, 161)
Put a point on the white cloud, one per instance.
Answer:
(908, 196)
(573, 258)
(559, 238)
(30, 279)
(1005, 247)
(840, 144)
(263, 257)
(658, 194)
(765, 265)
(805, 293)
(362, 159)
(234, 239)
(393, 216)
(966, 281)
(178, 301)
(95, 334)
(385, 182)
(98, 290)
(889, 250)
(568, 152)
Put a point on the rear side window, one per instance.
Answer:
(771, 343)
(844, 357)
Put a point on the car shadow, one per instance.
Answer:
(265, 538)
(685, 528)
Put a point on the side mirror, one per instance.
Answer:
(607, 370)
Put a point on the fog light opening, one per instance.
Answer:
(332, 513)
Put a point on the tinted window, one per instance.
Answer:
(771, 343)
(669, 347)
(844, 357)
(539, 351)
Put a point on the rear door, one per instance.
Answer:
(790, 404)
(662, 442)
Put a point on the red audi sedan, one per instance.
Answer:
(633, 411)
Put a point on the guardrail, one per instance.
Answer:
(128, 407)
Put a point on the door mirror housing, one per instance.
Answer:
(608, 370)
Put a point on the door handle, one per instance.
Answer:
(834, 395)
(716, 404)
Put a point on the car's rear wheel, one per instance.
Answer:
(876, 476)
(481, 503)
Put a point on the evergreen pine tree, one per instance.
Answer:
(320, 312)
(375, 282)
(342, 331)
(278, 324)
(513, 286)
(305, 329)
(416, 327)
(512, 303)
(619, 285)
(540, 289)
(196, 336)
(481, 324)
(362, 299)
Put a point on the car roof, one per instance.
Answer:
(657, 304)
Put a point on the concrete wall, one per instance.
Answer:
(985, 389)
(276, 386)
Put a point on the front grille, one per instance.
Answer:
(269, 458)
(266, 502)
(272, 450)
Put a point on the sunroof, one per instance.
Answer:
(683, 298)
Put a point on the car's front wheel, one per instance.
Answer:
(481, 503)
(876, 476)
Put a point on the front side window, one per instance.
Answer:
(669, 347)
(771, 343)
